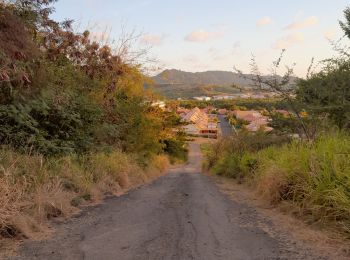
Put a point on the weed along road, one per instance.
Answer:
(180, 216)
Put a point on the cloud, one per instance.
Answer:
(152, 39)
(308, 22)
(330, 33)
(289, 41)
(264, 21)
(203, 36)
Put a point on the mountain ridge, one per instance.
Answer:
(211, 77)
(174, 83)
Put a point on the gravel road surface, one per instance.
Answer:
(180, 216)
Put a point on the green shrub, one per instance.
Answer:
(228, 166)
(49, 128)
(176, 149)
(232, 156)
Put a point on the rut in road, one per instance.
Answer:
(180, 216)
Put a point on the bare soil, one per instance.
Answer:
(182, 215)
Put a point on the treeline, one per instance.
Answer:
(309, 173)
(75, 120)
(247, 104)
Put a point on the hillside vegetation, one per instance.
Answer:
(75, 120)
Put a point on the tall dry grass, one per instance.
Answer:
(35, 189)
(313, 178)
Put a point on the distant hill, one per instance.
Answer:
(223, 78)
(192, 90)
(176, 83)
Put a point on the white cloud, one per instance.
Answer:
(330, 33)
(264, 21)
(203, 36)
(289, 41)
(308, 22)
(152, 39)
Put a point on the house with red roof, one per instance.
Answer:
(255, 120)
(199, 123)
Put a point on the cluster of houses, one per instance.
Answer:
(204, 122)
(256, 121)
(247, 95)
(199, 122)
(202, 98)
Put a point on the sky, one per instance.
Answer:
(201, 35)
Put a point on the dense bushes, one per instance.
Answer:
(49, 128)
(63, 93)
(176, 148)
(314, 177)
(328, 92)
(74, 95)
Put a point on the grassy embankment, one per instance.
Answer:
(313, 180)
(35, 189)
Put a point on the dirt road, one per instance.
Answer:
(180, 216)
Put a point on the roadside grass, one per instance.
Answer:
(314, 178)
(206, 149)
(35, 189)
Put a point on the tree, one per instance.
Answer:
(281, 85)
(346, 25)
(63, 92)
(328, 91)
